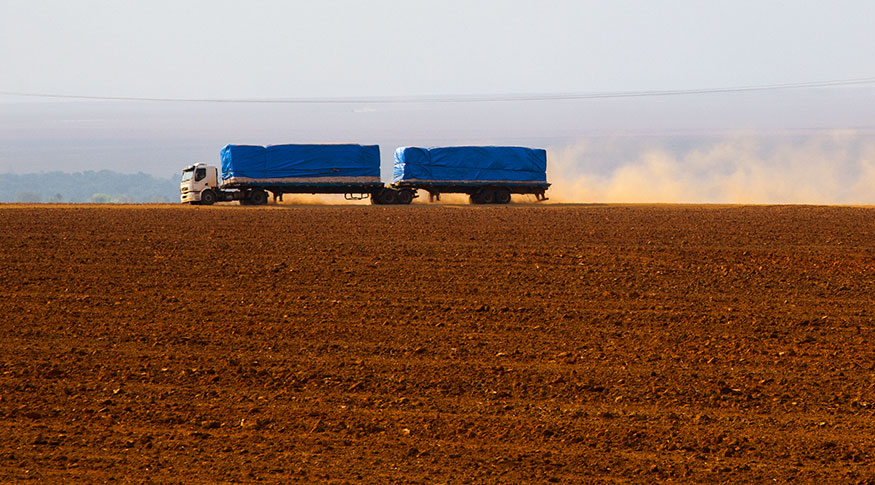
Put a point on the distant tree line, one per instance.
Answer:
(102, 187)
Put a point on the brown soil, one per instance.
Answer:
(437, 344)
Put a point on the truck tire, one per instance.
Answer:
(258, 197)
(487, 196)
(208, 197)
(388, 196)
(405, 196)
(502, 196)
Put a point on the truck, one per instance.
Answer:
(487, 174)
(250, 172)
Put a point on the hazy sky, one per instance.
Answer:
(210, 48)
(375, 48)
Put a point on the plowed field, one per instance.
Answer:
(437, 343)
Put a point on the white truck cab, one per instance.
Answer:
(200, 183)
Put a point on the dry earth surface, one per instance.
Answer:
(430, 344)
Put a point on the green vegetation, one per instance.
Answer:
(103, 187)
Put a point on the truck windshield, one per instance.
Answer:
(186, 175)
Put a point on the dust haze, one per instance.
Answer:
(828, 167)
(317, 199)
(806, 146)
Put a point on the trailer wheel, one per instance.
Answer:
(208, 197)
(258, 197)
(487, 196)
(388, 197)
(502, 196)
(405, 196)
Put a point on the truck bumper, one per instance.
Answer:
(189, 197)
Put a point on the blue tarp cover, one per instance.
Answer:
(300, 161)
(471, 164)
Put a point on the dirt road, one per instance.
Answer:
(437, 343)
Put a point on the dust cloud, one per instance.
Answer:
(317, 199)
(828, 167)
(449, 199)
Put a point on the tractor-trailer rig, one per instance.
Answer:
(250, 172)
(486, 174)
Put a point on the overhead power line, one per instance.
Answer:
(473, 98)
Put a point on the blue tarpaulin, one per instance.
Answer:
(242, 161)
(301, 163)
(471, 164)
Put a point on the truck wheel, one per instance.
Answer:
(487, 196)
(405, 196)
(502, 196)
(208, 197)
(258, 197)
(388, 197)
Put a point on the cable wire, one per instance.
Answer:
(461, 98)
